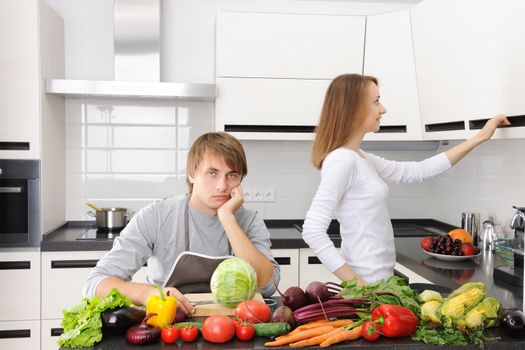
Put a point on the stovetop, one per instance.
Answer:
(93, 234)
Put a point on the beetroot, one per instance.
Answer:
(284, 314)
(317, 291)
(293, 297)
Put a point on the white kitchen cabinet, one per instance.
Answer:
(64, 275)
(31, 35)
(51, 330)
(288, 260)
(469, 58)
(19, 335)
(389, 56)
(311, 269)
(269, 108)
(265, 45)
(20, 291)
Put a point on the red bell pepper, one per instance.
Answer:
(395, 320)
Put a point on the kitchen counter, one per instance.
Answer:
(284, 234)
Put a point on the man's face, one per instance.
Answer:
(213, 180)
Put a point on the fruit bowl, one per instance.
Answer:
(452, 257)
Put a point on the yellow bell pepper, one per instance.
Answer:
(164, 308)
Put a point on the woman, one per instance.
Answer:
(353, 188)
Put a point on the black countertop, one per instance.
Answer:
(407, 233)
(283, 233)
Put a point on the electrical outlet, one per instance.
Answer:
(259, 195)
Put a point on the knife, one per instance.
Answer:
(203, 302)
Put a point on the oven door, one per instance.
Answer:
(14, 225)
(19, 203)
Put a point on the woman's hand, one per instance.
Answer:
(490, 126)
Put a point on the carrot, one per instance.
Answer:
(351, 334)
(317, 340)
(316, 324)
(305, 334)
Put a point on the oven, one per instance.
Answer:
(20, 203)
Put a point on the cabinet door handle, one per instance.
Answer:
(73, 264)
(515, 121)
(11, 189)
(283, 260)
(313, 260)
(15, 333)
(448, 126)
(55, 332)
(15, 265)
(14, 146)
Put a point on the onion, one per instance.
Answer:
(143, 333)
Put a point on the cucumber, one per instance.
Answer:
(197, 325)
(272, 329)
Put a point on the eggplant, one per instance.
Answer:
(117, 321)
(512, 320)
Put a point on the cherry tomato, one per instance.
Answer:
(218, 329)
(253, 311)
(245, 332)
(188, 333)
(370, 331)
(170, 334)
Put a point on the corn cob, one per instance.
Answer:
(458, 304)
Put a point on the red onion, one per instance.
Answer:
(143, 333)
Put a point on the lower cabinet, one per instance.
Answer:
(311, 269)
(63, 276)
(288, 260)
(51, 330)
(19, 335)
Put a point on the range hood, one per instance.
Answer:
(136, 30)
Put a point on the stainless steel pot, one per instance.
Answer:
(110, 218)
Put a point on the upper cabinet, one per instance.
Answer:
(258, 45)
(469, 61)
(19, 86)
(389, 56)
(32, 123)
(273, 70)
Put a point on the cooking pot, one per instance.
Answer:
(110, 218)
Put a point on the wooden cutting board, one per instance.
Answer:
(215, 308)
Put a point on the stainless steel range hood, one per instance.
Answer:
(136, 30)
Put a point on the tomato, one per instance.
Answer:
(370, 331)
(170, 334)
(188, 333)
(245, 332)
(253, 311)
(218, 329)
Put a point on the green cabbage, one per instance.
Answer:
(233, 281)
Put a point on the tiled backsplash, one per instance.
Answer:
(129, 154)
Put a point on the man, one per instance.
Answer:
(209, 220)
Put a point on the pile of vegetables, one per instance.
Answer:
(459, 319)
(82, 323)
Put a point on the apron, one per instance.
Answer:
(192, 272)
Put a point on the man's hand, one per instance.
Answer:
(182, 302)
(234, 203)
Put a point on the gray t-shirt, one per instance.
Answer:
(156, 235)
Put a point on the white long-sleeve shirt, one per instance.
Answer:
(353, 190)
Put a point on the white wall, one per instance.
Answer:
(128, 153)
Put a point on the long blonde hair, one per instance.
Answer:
(343, 109)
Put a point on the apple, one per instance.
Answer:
(426, 242)
(468, 249)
